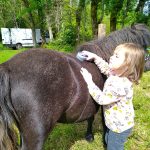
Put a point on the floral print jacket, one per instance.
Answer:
(116, 99)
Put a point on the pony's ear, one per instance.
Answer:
(133, 26)
(140, 26)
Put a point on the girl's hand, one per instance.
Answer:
(90, 56)
(87, 76)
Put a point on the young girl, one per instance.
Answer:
(125, 68)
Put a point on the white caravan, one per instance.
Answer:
(18, 38)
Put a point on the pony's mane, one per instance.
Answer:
(104, 47)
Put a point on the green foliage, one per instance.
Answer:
(114, 4)
(85, 35)
(62, 17)
(86, 26)
(141, 18)
(106, 21)
(2, 47)
(68, 35)
(59, 46)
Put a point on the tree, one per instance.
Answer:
(115, 7)
(41, 17)
(140, 16)
(31, 18)
(10, 18)
(94, 7)
(79, 11)
(48, 7)
(140, 6)
(125, 11)
(3, 12)
(102, 12)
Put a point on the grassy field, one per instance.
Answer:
(7, 54)
(71, 136)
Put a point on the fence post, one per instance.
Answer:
(101, 30)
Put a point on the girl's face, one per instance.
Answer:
(117, 59)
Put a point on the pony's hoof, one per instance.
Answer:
(89, 137)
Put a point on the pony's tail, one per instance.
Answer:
(7, 117)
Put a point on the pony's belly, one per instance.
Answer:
(79, 110)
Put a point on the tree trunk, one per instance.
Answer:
(48, 19)
(3, 14)
(34, 37)
(41, 17)
(78, 18)
(140, 6)
(70, 11)
(48, 24)
(58, 14)
(113, 22)
(117, 6)
(14, 15)
(125, 12)
(94, 18)
(102, 15)
(26, 4)
(84, 23)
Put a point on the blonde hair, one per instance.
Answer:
(133, 66)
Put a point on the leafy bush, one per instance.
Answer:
(143, 19)
(59, 46)
(68, 35)
(2, 47)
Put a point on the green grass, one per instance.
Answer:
(7, 54)
(71, 136)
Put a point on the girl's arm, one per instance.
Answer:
(104, 98)
(102, 65)
(100, 62)
(112, 92)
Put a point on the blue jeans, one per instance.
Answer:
(115, 141)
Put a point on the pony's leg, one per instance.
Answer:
(32, 135)
(36, 144)
(25, 146)
(89, 134)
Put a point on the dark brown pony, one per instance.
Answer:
(39, 88)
